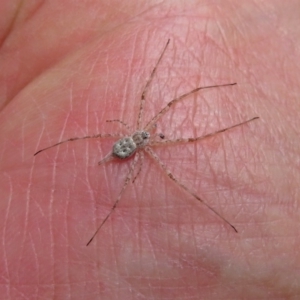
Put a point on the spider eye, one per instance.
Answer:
(145, 135)
(162, 136)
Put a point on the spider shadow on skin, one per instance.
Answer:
(142, 140)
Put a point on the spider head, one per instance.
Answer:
(145, 135)
(141, 138)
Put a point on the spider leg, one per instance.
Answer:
(153, 121)
(105, 135)
(141, 110)
(141, 159)
(188, 140)
(121, 122)
(171, 176)
(106, 158)
(126, 182)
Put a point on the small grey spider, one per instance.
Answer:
(138, 142)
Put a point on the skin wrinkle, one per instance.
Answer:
(22, 295)
(11, 26)
(71, 97)
(89, 186)
(211, 170)
(35, 71)
(35, 257)
(95, 63)
(67, 210)
(106, 177)
(34, 11)
(42, 130)
(224, 42)
(128, 78)
(27, 206)
(226, 170)
(51, 205)
(23, 139)
(4, 243)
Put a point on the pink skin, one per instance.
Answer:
(66, 67)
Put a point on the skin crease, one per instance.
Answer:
(66, 67)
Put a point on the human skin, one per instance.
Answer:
(67, 67)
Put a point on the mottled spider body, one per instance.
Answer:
(127, 146)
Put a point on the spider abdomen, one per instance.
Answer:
(124, 147)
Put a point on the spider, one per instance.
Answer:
(139, 142)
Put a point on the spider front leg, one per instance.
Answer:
(143, 96)
(162, 112)
(121, 122)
